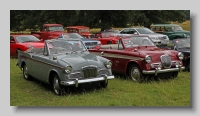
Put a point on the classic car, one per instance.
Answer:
(64, 63)
(82, 30)
(155, 37)
(173, 31)
(23, 42)
(106, 38)
(138, 57)
(89, 43)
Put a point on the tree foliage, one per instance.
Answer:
(33, 19)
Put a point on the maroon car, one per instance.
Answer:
(138, 57)
(23, 42)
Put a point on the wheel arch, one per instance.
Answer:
(51, 74)
(129, 65)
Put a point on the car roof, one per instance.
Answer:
(52, 25)
(77, 27)
(135, 27)
(165, 25)
(20, 35)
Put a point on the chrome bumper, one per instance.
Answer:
(76, 82)
(162, 71)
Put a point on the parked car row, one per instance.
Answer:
(71, 59)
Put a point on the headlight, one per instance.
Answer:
(108, 64)
(180, 55)
(30, 46)
(184, 35)
(147, 59)
(68, 69)
(98, 43)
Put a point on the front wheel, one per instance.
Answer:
(57, 88)
(135, 73)
(25, 73)
(103, 84)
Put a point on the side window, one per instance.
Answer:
(131, 31)
(168, 29)
(125, 31)
(12, 39)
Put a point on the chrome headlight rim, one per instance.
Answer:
(68, 69)
(147, 59)
(180, 55)
(98, 42)
(108, 64)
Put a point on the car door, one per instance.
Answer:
(12, 46)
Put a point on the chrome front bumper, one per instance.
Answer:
(162, 71)
(76, 82)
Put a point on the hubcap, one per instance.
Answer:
(135, 74)
(25, 72)
(56, 85)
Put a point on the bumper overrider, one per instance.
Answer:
(76, 82)
(157, 70)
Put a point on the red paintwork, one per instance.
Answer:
(82, 30)
(44, 35)
(120, 59)
(106, 38)
(23, 46)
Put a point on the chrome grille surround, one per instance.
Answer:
(89, 71)
(166, 61)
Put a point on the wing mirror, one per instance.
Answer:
(135, 33)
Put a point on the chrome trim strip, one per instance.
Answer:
(162, 71)
(76, 82)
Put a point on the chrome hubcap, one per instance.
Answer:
(25, 72)
(56, 85)
(135, 74)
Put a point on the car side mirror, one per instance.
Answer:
(135, 33)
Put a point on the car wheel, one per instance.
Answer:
(188, 67)
(175, 74)
(109, 42)
(135, 73)
(103, 84)
(25, 73)
(57, 88)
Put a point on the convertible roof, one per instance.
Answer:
(164, 25)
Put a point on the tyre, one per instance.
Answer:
(109, 42)
(135, 73)
(103, 84)
(25, 73)
(175, 74)
(56, 87)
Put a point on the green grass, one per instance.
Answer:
(120, 92)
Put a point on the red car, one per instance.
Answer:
(106, 38)
(23, 42)
(138, 57)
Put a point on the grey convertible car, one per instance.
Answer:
(64, 63)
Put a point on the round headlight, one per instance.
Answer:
(147, 59)
(180, 55)
(99, 42)
(68, 69)
(184, 35)
(108, 64)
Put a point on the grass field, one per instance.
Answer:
(120, 92)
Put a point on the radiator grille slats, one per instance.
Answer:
(89, 71)
(166, 61)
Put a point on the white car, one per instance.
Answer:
(155, 37)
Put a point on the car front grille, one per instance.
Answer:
(91, 43)
(166, 61)
(89, 71)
